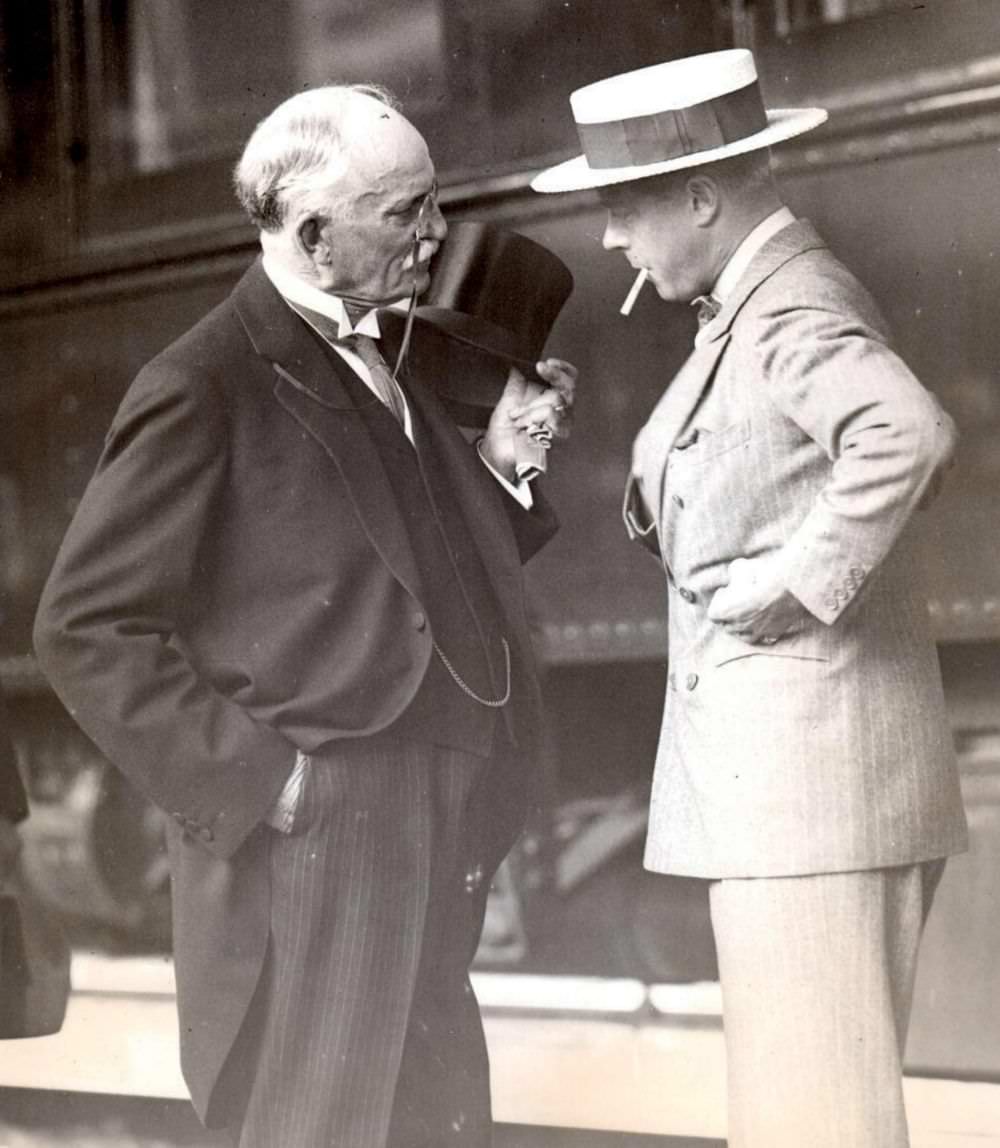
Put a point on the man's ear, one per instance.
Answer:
(310, 238)
(703, 198)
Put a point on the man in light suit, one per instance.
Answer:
(290, 609)
(805, 767)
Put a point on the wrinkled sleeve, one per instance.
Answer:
(106, 632)
(836, 377)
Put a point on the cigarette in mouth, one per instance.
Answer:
(630, 298)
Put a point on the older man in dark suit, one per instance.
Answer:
(290, 609)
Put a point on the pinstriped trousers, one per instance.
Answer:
(364, 1031)
(817, 979)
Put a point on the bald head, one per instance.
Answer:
(342, 188)
(346, 137)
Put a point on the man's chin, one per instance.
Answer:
(666, 291)
(421, 278)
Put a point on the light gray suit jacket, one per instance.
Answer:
(795, 437)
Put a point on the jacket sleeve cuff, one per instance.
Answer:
(250, 789)
(827, 598)
(519, 490)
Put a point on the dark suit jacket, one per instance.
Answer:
(238, 584)
(13, 802)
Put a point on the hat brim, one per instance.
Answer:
(467, 375)
(577, 175)
(479, 334)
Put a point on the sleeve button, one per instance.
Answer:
(420, 620)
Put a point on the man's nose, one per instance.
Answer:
(614, 237)
(433, 225)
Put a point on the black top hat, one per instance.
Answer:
(491, 303)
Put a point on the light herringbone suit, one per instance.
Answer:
(796, 439)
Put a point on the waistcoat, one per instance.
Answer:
(456, 591)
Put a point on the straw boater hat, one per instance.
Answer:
(670, 116)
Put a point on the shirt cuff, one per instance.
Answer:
(281, 815)
(521, 490)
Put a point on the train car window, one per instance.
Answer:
(793, 15)
(156, 99)
(176, 83)
(29, 159)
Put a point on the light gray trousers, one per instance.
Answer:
(817, 979)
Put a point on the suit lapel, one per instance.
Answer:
(308, 386)
(674, 410)
(678, 402)
(791, 241)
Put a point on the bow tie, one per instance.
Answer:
(328, 327)
(708, 307)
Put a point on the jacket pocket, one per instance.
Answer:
(705, 443)
(794, 648)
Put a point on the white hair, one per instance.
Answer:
(300, 140)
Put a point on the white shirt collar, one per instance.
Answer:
(741, 258)
(297, 290)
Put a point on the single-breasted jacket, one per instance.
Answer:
(238, 584)
(796, 439)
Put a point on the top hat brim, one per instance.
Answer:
(467, 376)
(479, 334)
(577, 175)
(491, 302)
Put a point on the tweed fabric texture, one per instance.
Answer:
(796, 439)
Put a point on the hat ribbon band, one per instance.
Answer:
(670, 134)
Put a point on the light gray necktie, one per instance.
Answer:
(365, 347)
(387, 389)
